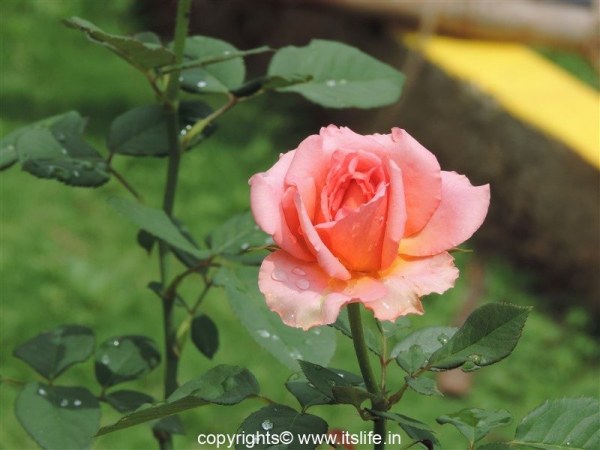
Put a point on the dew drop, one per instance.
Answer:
(42, 392)
(279, 275)
(343, 81)
(476, 359)
(385, 305)
(442, 338)
(201, 84)
(227, 53)
(298, 271)
(75, 173)
(303, 283)
(10, 148)
(330, 83)
(63, 151)
(116, 343)
(64, 402)
(316, 331)
(245, 246)
(60, 137)
(183, 132)
(296, 354)
(77, 402)
(380, 219)
(264, 333)
(267, 425)
(180, 79)
(105, 359)
(275, 337)
(341, 375)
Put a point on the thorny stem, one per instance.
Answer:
(360, 347)
(171, 102)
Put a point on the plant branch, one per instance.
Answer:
(362, 354)
(121, 179)
(199, 126)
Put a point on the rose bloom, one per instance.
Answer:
(365, 219)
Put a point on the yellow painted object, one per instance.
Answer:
(526, 85)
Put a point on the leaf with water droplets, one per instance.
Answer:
(58, 417)
(306, 393)
(238, 235)
(341, 76)
(276, 419)
(287, 344)
(572, 423)
(488, 335)
(125, 358)
(220, 77)
(140, 52)
(143, 130)
(325, 379)
(54, 148)
(52, 352)
(222, 385)
(205, 335)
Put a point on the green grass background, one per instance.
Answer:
(66, 257)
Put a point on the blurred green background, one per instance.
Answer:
(65, 257)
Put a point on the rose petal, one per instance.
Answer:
(325, 258)
(407, 280)
(460, 213)
(266, 194)
(304, 295)
(357, 238)
(395, 219)
(421, 176)
(308, 169)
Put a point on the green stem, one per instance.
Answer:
(362, 354)
(171, 103)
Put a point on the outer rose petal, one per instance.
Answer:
(407, 280)
(395, 217)
(266, 193)
(305, 296)
(460, 213)
(421, 175)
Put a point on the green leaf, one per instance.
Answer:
(125, 358)
(219, 77)
(8, 155)
(58, 417)
(475, 423)
(415, 429)
(143, 131)
(488, 335)
(371, 339)
(572, 423)
(412, 360)
(239, 234)
(140, 53)
(423, 385)
(205, 335)
(306, 393)
(350, 395)
(276, 419)
(287, 344)
(222, 385)
(324, 379)
(494, 446)
(127, 400)
(429, 339)
(341, 76)
(54, 148)
(54, 351)
(155, 222)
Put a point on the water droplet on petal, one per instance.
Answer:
(279, 275)
(385, 305)
(42, 392)
(330, 83)
(264, 333)
(105, 359)
(299, 271)
(303, 283)
(266, 425)
(380, 219)
(77, 402)
(64, 402)
(201, 84)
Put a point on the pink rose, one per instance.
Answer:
(365, 219)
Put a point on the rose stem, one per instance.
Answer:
(360, 347)
(171, 105)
